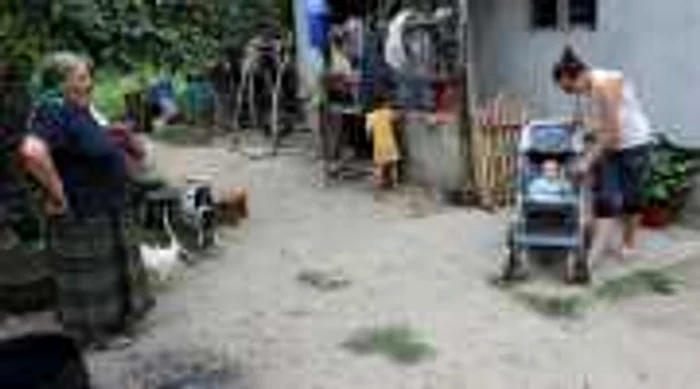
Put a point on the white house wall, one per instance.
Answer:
(651, 40)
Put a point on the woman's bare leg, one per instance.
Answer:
(606, 240)
(629, 230)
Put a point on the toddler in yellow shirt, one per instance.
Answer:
(381, 126)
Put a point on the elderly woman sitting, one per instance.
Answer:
(102, 285)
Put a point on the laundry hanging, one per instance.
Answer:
(394, 48)
(407, 48)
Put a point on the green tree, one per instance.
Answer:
(124, 33)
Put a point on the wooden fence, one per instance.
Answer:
(496, 128)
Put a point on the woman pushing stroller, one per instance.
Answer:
(618, 158)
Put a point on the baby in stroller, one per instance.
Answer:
(551, 186)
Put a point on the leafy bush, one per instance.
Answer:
(669, 178)
(109, 94)
(126, 33)
(112, 84)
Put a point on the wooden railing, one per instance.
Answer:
(497, 126)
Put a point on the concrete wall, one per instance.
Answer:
(309, 65)
(651, 40)
(435, 153)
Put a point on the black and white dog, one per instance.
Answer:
(198, 211)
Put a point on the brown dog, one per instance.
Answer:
(232, 206)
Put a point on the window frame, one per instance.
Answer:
(536, 22)
(591, 25)
(563, 17)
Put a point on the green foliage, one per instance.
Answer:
(112, 84)
(669, 177)
(108, 93)
(127, 33)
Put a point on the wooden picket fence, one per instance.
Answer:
(496, 128)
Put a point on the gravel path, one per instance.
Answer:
(408, 262)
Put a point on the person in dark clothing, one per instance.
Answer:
(25, 282)
(101, 281)
(14, 106)
(221, 76)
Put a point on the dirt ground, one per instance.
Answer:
(404, 261)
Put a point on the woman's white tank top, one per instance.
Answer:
(636, 128)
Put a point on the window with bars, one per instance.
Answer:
(583, 13)
(545, 14)
(563, 14)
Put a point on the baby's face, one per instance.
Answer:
(551, 169)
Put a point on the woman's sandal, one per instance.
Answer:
(113, 343)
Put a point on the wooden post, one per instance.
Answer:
(466, 98)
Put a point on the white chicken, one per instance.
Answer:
(161, 262)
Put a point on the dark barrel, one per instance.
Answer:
(42, 361)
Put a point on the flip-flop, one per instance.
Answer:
(114, 343)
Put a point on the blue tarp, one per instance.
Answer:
(317, 7)
(162, 94)
(318, 18)
(160, 90)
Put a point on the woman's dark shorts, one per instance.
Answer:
(620, 180)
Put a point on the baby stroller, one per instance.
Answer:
(557, 224)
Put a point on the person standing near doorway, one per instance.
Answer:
(619, 154)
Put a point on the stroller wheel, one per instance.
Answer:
(579, 273)
(514, 268)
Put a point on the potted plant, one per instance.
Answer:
(667, 188)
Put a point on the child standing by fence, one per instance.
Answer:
(381, 126)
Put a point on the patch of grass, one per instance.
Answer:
(660, 282)
(173, 133)
(553, 305)
(664, 282)
(182, 134)
(400, 344)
